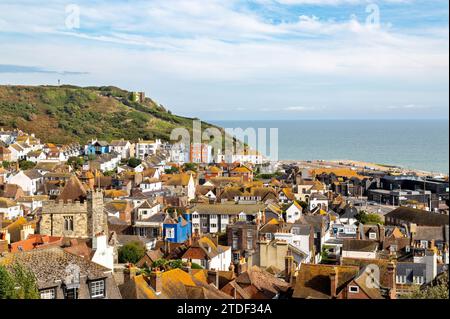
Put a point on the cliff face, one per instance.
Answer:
(66, 114)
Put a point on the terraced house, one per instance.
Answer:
(214, 218)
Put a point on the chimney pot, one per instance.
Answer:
(156, 281)
(333, 283)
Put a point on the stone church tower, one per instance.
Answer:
(77, 213)
(98, 221)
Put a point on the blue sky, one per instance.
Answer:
(240, 59)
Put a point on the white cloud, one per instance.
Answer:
(212, 43)
(409, 107)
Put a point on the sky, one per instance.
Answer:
(240, 59)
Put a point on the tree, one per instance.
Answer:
(176, 263)
(6, 164)
(18, 283)
(190, 167)
(25, 165)
(171, 170)
(196, 266)
(160, 263)
(134, 162)
(6, 284)
(75, 162)
(438, 289)
(165, 264)
(131, 252)
(368, 218)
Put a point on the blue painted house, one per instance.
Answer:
(178, 230)
(97, 148)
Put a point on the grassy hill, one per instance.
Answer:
(63, 114)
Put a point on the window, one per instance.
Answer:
(71, 293)
(213, 225)
(354, 289)
(68, 223)
(424, 244)
(170, 233)
(249, 243)
(48, 293)
(373, 235)
(98, 289)
(235, 243)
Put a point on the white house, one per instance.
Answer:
(71, 150)
(29, 180)
(18, 152)
(247, 156)
(150, 185)
(146, 148)
(318, 200)
(182, 185)
(36, 156)
(122, 147)
(147, 210)
(300, 237)
(214, 218)
(294, 212)
(106, 162)
(209, 255)
(10, 209)
(178, 154)
(32, 202)
(8, 137)
(359, 249)
(103, 253)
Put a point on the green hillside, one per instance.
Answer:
(63, 114)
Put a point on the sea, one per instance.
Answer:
(412, 144)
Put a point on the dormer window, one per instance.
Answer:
(372, 235)
(48, 293)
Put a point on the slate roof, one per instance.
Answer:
(49, 265)
(431, 233)
(359, 245)
(261, 281)
(227, 209)
(33, 174)
(176, 284)
(313, 280)
(410, 269)
(73, 190)
(418, 216)
(6, 203)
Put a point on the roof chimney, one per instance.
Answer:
(288, 267)
(431, 265)
(391, 280)
(156, 280)
(333, 282)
